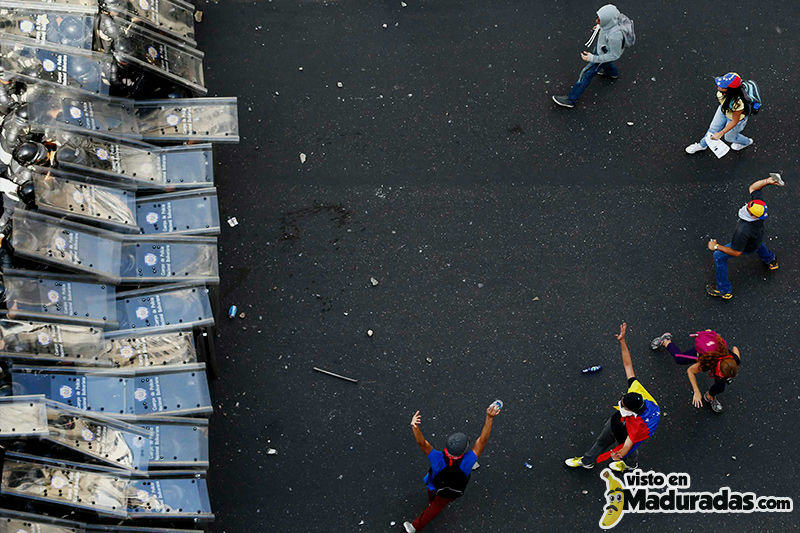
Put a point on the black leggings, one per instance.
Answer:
(689, 358)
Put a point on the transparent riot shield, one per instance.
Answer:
(50, 343)
(132, 44)
(76, 387)
(55, 23)
(66, 245)
(177, 442)
(59, 298)
(162, 309)
(51, 107)
(85, 200)
(63, 482)
(95, 528)
(159, 349)
(77, 69)
(102, 438)
(179, 390)
(19, 522)
(23, 416)
(182, 258)
(194, 212)
(189, 119)
(176, 494)
(170, 391)
(144, 165)
(173, 17)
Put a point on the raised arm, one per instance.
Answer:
(760, 184)
(626, 354)
(423, 444)
(491, 412)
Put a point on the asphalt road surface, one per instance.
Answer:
(509, 239)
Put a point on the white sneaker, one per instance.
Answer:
(621, 466)
(409, 527)
(696, 147)
(737, 146)
(575, 462)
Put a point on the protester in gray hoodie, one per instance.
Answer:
(609, 39)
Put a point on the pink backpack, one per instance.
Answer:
(706, 341)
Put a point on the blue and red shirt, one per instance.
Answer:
(439, 462)
(642, 426)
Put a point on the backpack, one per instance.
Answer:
(626, 25)
(705, 341)
(451, 481)
(752, 96)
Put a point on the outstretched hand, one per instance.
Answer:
(492, 411)
(416, 420)
(622, 330)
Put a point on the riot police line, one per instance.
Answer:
(108, 265)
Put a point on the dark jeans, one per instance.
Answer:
(586, 75)
(613, 432)
(690, 357)
(435, 506)
(721, 263)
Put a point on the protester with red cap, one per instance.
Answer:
(731, 116)
(747, 238)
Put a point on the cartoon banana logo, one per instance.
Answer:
(615, 496)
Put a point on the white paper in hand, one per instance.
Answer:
(718, 147)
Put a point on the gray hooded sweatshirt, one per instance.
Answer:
(610, 39)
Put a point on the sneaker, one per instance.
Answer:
(656, 343)
(712, 291)
(778, 179)
(563, 101)
(409, 528)
(696, 147)
(737, 146)
(603, 74)
(621, 466)
(715, 405)
(575, 462)
(773, 265)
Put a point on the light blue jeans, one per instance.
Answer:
(733, 136)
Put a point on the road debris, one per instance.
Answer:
(302, 157)
(373, 281)
(198, 16)
(232, 222)
(370, 333)
(232, 311)
(272, 451)
(336, 375)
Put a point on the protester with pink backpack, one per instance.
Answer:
(710, 354)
